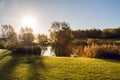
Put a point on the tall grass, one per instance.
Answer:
(78, 50)
(102, 51)
(96, 49)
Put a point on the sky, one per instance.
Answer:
(80, 14)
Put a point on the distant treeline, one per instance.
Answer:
(111, 33)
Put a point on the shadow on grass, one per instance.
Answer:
(7, 69)
(4, 53)
(36, 67)
(112, 60)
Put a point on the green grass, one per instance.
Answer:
(24, 67)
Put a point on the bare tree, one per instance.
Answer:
(9, 36)
(8, 32)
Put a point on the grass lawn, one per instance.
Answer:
(26, 67)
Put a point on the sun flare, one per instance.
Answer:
(29, 21)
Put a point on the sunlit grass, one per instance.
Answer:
(2, 50)
(22, 67)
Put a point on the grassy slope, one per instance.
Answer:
(21, 67)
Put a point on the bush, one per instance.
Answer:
(91, 41)
(2, 44)
(80, 42)
(37, 50)
(27, 50)
(78, 50)
(103, 51)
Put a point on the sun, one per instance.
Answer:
(29, 21)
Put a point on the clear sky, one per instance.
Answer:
(80, 14)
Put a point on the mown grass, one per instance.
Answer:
(28, 67)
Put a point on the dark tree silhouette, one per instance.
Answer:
(111, 33)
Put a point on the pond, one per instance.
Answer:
(48, 51)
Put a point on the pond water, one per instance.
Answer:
(47, 51)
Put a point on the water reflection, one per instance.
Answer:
(47, 51)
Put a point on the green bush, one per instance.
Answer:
(103, 51)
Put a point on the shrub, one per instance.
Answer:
(103, 51)
(80, 42)
(78, 50)
(91, 41)
(27, 50)
(37, 50)
(2, 44)
(74, 49)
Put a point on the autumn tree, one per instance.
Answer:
(42, 39)
(60, 37)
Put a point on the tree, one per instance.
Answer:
(9, 36)
(42, 39)
(26, 36)
(112, 33)
(60, 37)
(88, 33)
(8, 32)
